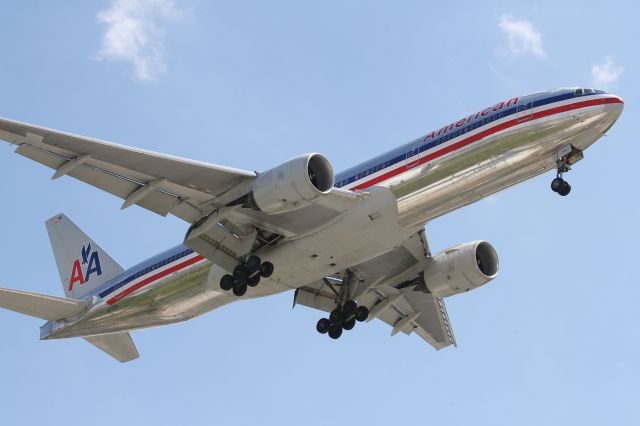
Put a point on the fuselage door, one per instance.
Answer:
(524, 111)
(413, 156)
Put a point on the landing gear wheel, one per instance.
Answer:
(323, 325)
(239, 289)
(362, 313)
(253, 263)
(240, 273)
(349, 308)
(556, 184)
(565, 189)
(254, 280)
(226, 282)
(335, 331)
(266, 269)
(336, 317)
(349, 324)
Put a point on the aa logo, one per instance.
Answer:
(81, 273)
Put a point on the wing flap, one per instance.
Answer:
(119, 345)
(158, 202)
(426, 315)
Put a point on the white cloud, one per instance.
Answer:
(132, 34)
(522, 36)
(606, 73)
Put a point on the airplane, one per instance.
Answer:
(352, 244)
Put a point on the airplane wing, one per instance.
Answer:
(390, 286)
(161, 183)
(194, 191)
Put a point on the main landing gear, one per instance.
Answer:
(347, 311)
(560, 185)
(343, 318)
(246, 274)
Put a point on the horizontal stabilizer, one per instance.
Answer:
(118, 345)
(38, 305)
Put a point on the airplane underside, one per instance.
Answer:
(355, 249)
(502, 161)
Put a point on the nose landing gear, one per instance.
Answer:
(566, 157)
(560, 185)
(246, 274)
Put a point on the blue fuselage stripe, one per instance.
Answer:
(399, 155)
(139, 272)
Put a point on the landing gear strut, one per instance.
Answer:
(247, 274)
(560, 185)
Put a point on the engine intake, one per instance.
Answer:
(294, 184)
(461, 268)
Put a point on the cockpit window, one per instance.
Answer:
(580, 92)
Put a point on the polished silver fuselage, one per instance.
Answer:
(420, 191)
(497, 162)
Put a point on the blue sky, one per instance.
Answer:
(249, 84)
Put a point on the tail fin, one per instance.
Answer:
(82, 264)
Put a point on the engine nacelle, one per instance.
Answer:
(461, 268)
(294, 184)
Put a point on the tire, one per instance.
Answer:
(254, 280)
(565, 189)
(349, 324)
(335, 331)
(253, 263)
(556, 184)
(240, 273)
(239, 289)
(349, 308)
(336, 317)
(226, 282)
(362, 313)
(323, 325)
(266, 269)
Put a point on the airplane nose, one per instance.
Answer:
(614, 106)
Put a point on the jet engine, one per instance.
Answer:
(293, 185)
(461, 268)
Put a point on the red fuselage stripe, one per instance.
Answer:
(488, 132)
(154, 278)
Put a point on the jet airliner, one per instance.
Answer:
(352, 244)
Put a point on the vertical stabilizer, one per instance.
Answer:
(82, 264)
